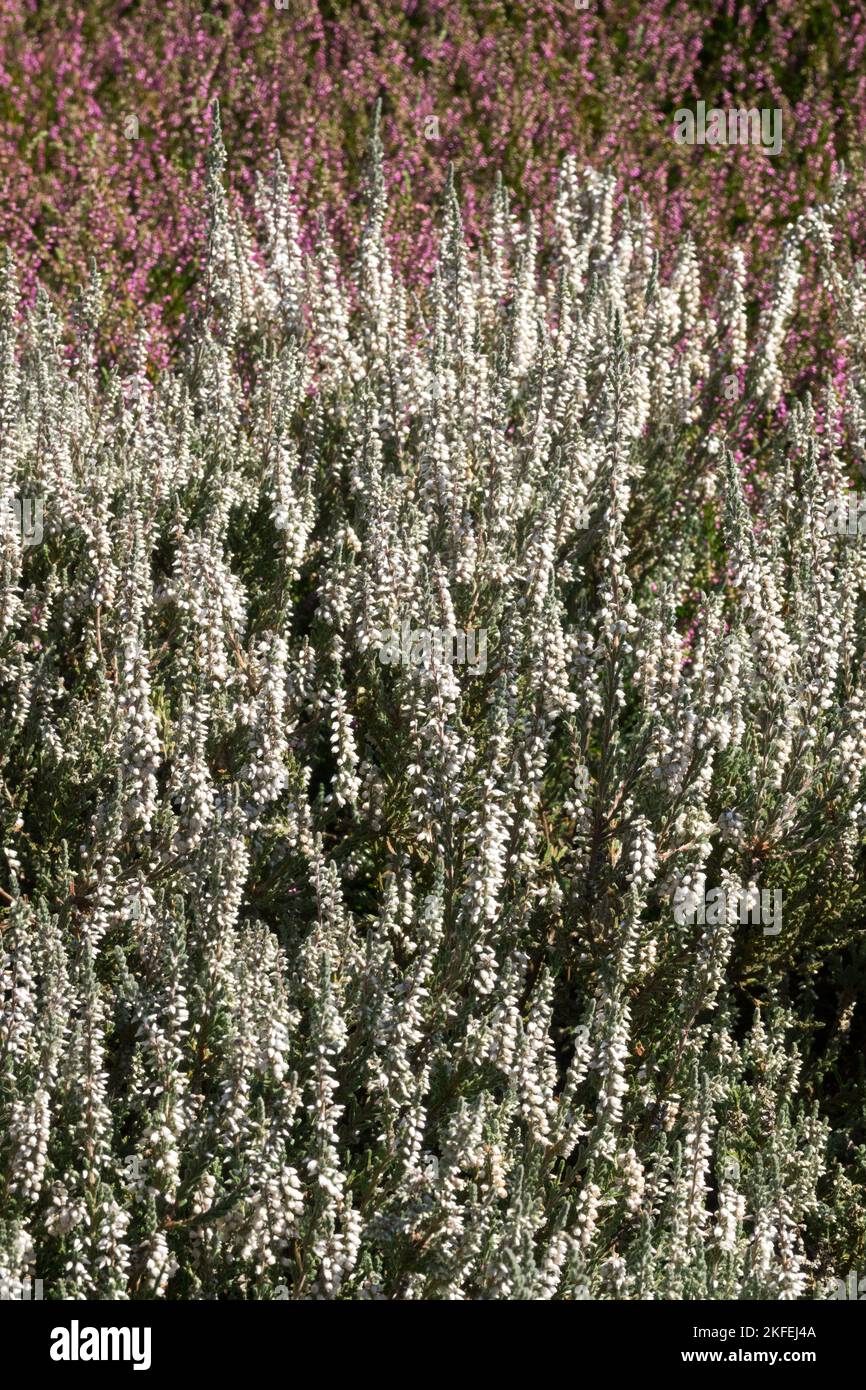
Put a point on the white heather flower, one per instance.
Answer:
(326, 977)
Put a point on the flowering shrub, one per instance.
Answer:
(104, 113)
(325, 976)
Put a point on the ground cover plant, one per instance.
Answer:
(104, 120)
(433, 758)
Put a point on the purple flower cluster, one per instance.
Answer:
(104, 119)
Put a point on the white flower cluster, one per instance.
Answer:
(323, 977)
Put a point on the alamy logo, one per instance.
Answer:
(846, 516)
(21, 1289)
(27, 514)
(851, 1288)
(76, 1343)
(716, 906)
(738, 127)
(418, 647)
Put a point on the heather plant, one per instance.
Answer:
(104, 115)
(330, 977)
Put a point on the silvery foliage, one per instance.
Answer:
(322, 978)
